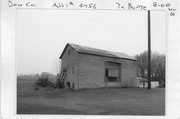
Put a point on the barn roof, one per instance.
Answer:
(97, 52)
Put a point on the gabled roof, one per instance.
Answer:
(97, 52)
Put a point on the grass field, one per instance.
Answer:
(114, 101)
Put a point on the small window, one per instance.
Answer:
(112, 73)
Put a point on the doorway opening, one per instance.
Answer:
(68, 84)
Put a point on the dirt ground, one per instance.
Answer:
(114, 101)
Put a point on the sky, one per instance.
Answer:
(41, 35)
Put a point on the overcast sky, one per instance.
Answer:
(41, 35)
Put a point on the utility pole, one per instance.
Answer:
(149, 50)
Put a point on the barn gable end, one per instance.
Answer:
(69, 63)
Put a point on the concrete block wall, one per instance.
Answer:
(91, 71)
(128, 73)
(88, 71)
(70, 61)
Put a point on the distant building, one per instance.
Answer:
(85, 67)
(143, 83)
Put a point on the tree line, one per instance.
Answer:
(157, 67)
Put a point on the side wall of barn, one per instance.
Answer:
(92, 72)
(128, 73)
(69, 61)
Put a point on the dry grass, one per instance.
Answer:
(125, 101)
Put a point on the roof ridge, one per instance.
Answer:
(96, 51)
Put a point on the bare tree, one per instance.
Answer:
(157, 66)
(142, 64)
(58, 66)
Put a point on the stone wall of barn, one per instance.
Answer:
(92, 72)
(70, 61)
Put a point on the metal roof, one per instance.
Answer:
(97, 52)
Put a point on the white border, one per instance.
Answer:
(8, 18)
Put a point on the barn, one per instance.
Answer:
(85, 67)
